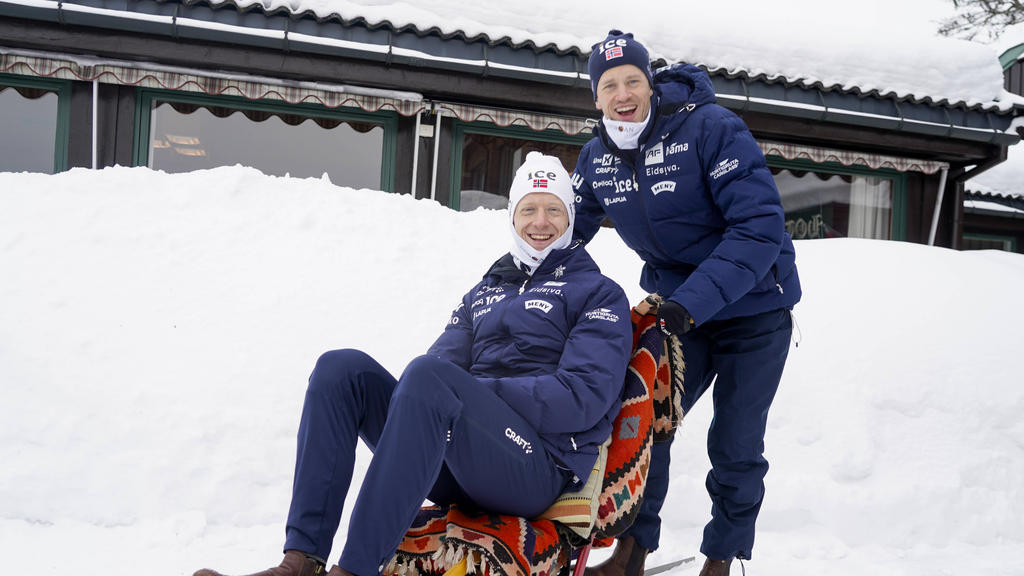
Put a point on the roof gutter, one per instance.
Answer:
(171, 23)
(900, 123)
(174, 25)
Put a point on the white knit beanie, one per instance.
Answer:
(540, 173)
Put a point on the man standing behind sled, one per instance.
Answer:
(688, 189)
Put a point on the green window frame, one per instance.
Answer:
(899, 185)
(387, 119)
(460, 128)
(1010, 242)
(63, 90)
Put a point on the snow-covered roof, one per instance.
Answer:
(869, 47)
(1004, 182)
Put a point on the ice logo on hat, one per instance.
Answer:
(615, 52)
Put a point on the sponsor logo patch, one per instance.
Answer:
(661, 170)
(663, 186)
(724, 167)
(577, 181)
(676, 148)
(654, 155)
(542, 305)
(602, 314)
(553, 283)
(518, 440)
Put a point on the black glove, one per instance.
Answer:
(673, 319)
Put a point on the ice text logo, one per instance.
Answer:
(611, 49)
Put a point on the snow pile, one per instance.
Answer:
(870, 45)
(156, 332)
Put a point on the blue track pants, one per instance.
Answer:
(747, 355)
(435, 433)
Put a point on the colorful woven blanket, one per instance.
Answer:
(501, 545)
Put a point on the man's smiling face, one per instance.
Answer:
(624, 94)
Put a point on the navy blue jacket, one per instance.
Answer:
(554, 347)
(696, 201)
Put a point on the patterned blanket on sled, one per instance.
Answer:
(502, 545)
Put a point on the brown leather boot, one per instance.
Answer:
(715, 567)
(627, 560)
(295, 563)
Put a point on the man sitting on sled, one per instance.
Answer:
(505, 412)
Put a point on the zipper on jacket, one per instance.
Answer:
(775, 272)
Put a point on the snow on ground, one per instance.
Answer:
(156, 332)
(870, 44)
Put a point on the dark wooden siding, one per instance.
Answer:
(1013, 78)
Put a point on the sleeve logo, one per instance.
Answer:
(602, 314)
(724, 167)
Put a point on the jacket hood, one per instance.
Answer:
(682, 84)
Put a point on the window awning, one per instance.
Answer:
(505, 118)
(151, 75)
(213, 83)
(849, 158)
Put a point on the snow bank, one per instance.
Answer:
(156, 332)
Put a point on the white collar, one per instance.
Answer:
(626, 135)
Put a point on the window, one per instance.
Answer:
(988, 242)
(486, 158)
(824, 201)
(33, 124)
(184, 132)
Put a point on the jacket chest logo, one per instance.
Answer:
(654, 155)
(663, 186)
(542, 305)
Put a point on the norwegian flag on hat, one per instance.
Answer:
(615, 52)
(540, 183)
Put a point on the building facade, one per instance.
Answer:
(192, 84)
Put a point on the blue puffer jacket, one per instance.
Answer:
(554, 347)
(696, 201)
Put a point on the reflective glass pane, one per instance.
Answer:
(820, 205)
(188, 137)
(489, 163)
(28, 129)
